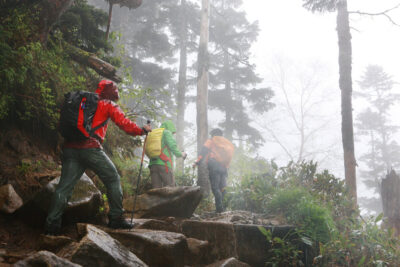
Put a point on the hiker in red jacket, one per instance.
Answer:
(217, 152)
(79, 155)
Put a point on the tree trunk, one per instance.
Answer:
(180, 125)
(110, 8)
(345, 84)
(390, 189)
(88, 59)
(228, 116)
(202, 94)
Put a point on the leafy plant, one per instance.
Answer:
(187, 178)
(302, 210)
(283, 251)
(24, 168)
(363, 243)
(206, 205)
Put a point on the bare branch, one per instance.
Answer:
(383, 13)
(277, 140)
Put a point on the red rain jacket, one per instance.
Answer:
(106, 109)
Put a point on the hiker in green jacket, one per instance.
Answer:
(161, 166)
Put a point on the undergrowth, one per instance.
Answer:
(317, 204)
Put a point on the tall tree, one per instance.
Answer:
(232, 77)
(180, 118)
(202, 93)
(345, 84)
(374, 122)
(149, 50)
(184, 23)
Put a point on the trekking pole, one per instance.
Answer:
(139, 176)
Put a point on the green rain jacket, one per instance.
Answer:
(169, 141)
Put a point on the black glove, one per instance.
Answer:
(145, 131)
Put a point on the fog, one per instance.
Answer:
(288, 30)
(296, 56)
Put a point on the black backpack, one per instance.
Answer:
(77, 114)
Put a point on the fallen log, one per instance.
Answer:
(89, 59)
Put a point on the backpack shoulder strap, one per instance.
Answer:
(98, 127)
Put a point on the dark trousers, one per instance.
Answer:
(160, 177)
(217, 174)
(74, 164)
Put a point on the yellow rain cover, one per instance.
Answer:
(153, 143)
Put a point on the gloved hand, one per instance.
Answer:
(184, 155)
(146, 129)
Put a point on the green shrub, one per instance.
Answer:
(302, 210)
(282, 251)
(187, 178)
(128, 168)
(251, 194)
(362, 243)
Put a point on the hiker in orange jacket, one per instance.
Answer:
(217, 152)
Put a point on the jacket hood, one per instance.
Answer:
(169, 125)
(107, 89)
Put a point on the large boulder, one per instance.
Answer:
(165, 202)
(10, 201)
(221, 238)
(169, 225)
(197, 251)
(44, 258)
(156, 248)
(83, 205)
(54, 243)
(97, 248)
(227, 240)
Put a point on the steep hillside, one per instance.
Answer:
(27, 162)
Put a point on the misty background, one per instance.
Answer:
(294, 54)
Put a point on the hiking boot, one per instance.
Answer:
(119, 223)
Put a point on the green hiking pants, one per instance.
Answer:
(74, 164)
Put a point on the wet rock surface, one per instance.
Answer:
(169, 224)
(156, 248)
(54, 243)
(167, 238)
(165, 202)
(44, 258)
(83, 205)
(97, 248)
(10, 201)
(197, 251)
(189, 242)
(220, 235)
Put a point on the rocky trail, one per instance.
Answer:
(180, 239)
(166, 230)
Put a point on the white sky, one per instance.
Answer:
(289, 30)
